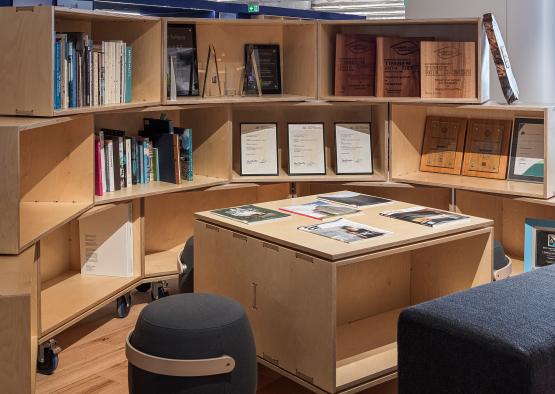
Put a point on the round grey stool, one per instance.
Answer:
(192, 344)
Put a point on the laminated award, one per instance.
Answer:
(259, 151)
(442, 149)
(397, 67)
(448, 69)
(306, 148)
(487, 148)
(539, 243)
(355, 64)
(262, 69)
(527, 150)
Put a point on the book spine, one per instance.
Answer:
(64, 72)
(189, 156)
(128, 76)
(176, 160)
(110, 164)
(102, 160)
(90, 75)
(141, 157)
(98, 168)
(155, 164)
(150, 161)
(122, 166)
(128, 169)
(56, 74)
(146, 161)
(134, 162)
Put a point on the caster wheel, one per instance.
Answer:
(143, 288)
(48, 360)
(158, 292)
(123, 305)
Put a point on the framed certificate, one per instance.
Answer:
(539, 243)
(306, 149)
(486, 152)
(259, 152)
(353, 148)
(527, 150)
(443, 145)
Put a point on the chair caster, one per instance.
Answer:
(123, 305)
(158, 290)
(47, 357)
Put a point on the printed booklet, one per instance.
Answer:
(353, 199)
(425, 216)
(249, 214)
(319, 210)
(345, 231)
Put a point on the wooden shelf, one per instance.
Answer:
(459, 29)
(330, 177)
(155, 188)
(162, 263)
(366, 349)
(267, 98)
(407, 125)
(71, 294)
(104, 108)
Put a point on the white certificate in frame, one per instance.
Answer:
(353, 148)
(527, 150)
(307, 153)
(259, 151)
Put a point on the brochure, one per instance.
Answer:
(425, 216)
(319, 210)
(345, 231)
(353, 199)
(249, 214)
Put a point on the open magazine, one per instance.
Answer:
(249, 214)
(319, 210)
(345, 231)
(425, 216)
(353, 199)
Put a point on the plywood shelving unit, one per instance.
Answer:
(407, 124)
(28, 62)
(437, 29)
(282, 114)
(296, 40)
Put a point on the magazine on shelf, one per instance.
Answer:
(352, 199)
(426, 216)
(345, 230)
(319, 210)
(250, 214)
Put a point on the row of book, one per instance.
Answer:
(160, 152)
(88, 73)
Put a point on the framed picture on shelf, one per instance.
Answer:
(539, 243)
(262, 69)
(306, 149)
(182, 61)
(527, 150)
(353, 148)
(259, 149)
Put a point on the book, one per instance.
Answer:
(128, 75)
(353, 199)
(345, 231)
(98, 190)
(426, 216)
(110, 181)
(355, 64)
(106, 242)
(102, 160)
(155, 164)
(397, 67)
(185, 153)
(319, 210)
(128, 164)
(134, 161)
(250, 214)
(166, 146)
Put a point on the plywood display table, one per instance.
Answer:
(325, 312)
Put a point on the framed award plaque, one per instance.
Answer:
(443, 145)
(539, 243)
(353, 148)
(527, 150)
(259, 151)
(263, 69)
(486, 152)
(307, 153)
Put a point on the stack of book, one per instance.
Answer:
(88, 73)
(155, 155)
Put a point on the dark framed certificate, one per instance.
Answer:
(539, 243)
(182, 69)
(486, 152)
(259, 149)
(306, 149)
(527, 150)
(353, 148)
(266, 68)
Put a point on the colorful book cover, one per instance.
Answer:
(97, 168)
(425, 216)
(186, 153)
(134, 161)
(345, 231)
(250, 214)
(155, 164)
(141, 160)
(57, 76)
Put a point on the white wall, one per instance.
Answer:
(529, 32)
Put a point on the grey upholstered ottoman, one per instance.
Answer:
(496, 338)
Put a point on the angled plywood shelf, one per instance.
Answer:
(407, 124)
(28, 63)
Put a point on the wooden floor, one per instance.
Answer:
(93, 359)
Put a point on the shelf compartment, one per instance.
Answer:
(407, 126)
(66, 295)
(296, 39)
(28, 79)
(469, 29)
(48, 168)
(282, 114)
(211, 147)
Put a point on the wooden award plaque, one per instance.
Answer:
(442, 149)
(448, 69)
(486, 153)
(355, 64)
(397, 67)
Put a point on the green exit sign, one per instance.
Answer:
(253, 7)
